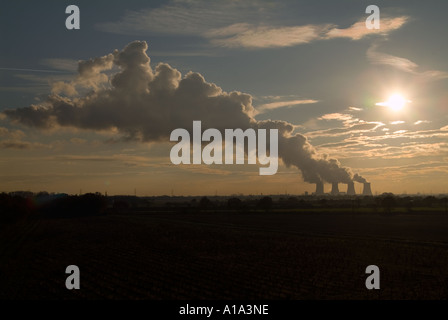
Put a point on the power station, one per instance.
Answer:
(367, 191)
(334, 189)
(351, 188)
(319, 188)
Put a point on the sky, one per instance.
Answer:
(91, 110)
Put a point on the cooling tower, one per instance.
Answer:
(367, 191)
(334, 188)
(351, 189)
(319, 188)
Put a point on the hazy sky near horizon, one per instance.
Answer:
(313, 64)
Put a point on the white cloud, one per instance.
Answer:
(243, 24)
(145, 104)
(183, 18)
(266, 36)
(348, 129)
(61, 64)
(347, 119)
(281, 104)
(403, 64)
(358, 30)
(249, 36)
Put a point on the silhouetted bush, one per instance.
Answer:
(13, 208)
(265, 203)
(205, 203)
(429, 201)
(234, 203)
(75, 206)
(388, 202)
(121, 205)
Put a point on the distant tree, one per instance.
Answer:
(75, 206)
(42, 194)
(234, 203)
(205, 203)
(304, 204)
(148, 203)
(388, 202)
(408, 203)
(13, 208)
(323, 202)
(120, 204)
(265, 203)
(429, 201)
(445, 202)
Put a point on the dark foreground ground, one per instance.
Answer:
(226, 256)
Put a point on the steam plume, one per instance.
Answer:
(358, 178)
(146, 105)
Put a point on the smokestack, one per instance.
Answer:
(351, 188)
(334, 188)
(319, 188)
(366, 191)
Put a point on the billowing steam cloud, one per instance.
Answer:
(358, 178)
(146, 105)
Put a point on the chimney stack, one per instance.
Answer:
(367, 191)
(334, 189)
(351, 189)
(319, 188)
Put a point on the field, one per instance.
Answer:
(227, 255)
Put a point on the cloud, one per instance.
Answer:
(183, 18)
(78, 141)
(336, 116)
(11, 134)
(18, 144)
(109, 158)
(281, 104)
(141, 103)
(32, 78)
(90, 75)
(266, 36)
(359, 30)
(237, 24)
(377, 57)
(69, 65)
(31, 70)
(339, 144)
(401, 144)
(348, 130)
(145, 104)
(403, 64)
(406, 171)
(250, 36)
(14, 144)
(347, 119)
(416, 151)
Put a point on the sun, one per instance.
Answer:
(396, 102)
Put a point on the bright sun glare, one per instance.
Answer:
(396, 102)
